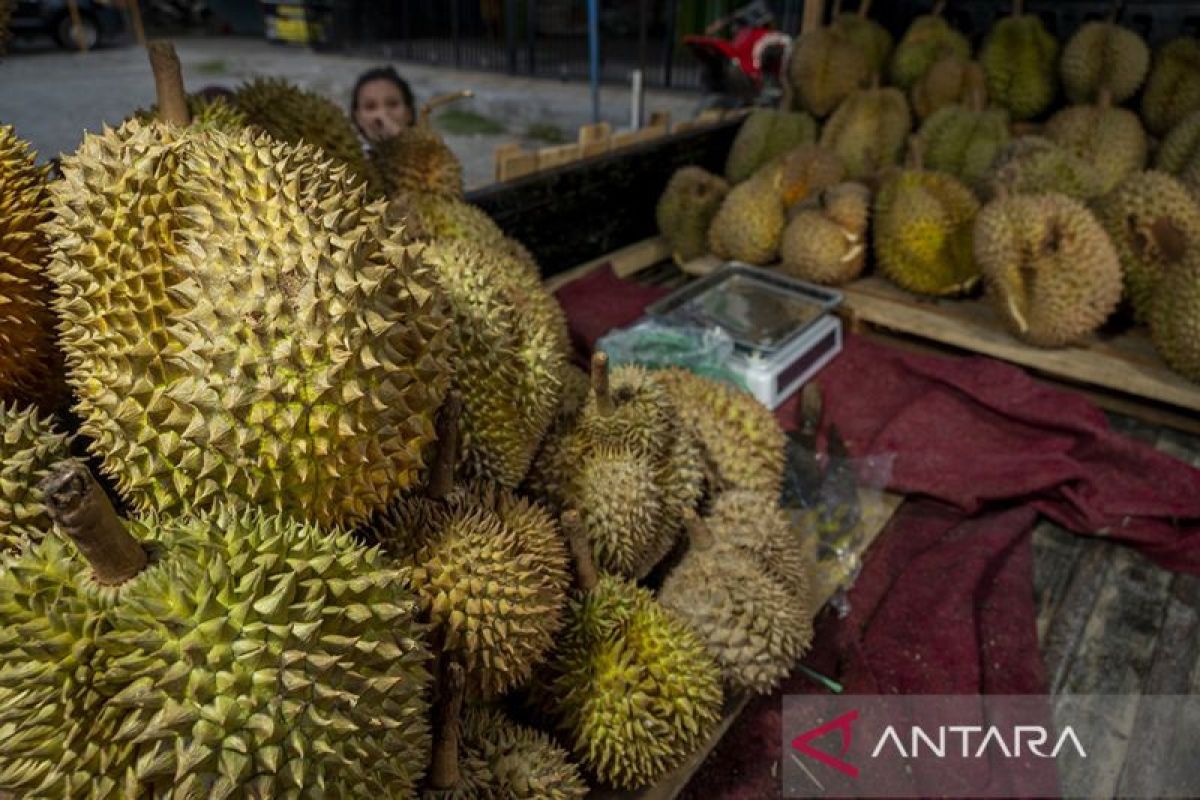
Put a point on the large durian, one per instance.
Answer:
(803, 172)
(241, 327)
(1020, 58)
(753, 523)
(1152, 221)
(952, 80)
(1049, 267)
(29, 445)
(30, 367)
(964, 140)
(824, 68)
(294, 115)
(750, 221)
(631, 686)
(928, 39)
(866, 34)
(492, 572)
(868, 131)
(1178, 153)
(630, 466)
(1103, 56)
(1036, 165)
(763, 135)
(1173, 89)
(1175, 315)
(510, 358)
(525, 764)
(686, 208)
(226, 654)
(754, 627)
(922, 232)
(1109, 138)
(826, 241)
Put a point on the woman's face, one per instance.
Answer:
(381, 112)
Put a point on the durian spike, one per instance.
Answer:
(80, 509)
(700, 536)
(443, 772)
(581, 550)
(168, 84)
(441, 474)
(864, 8)
(440, 100)
(604, 402)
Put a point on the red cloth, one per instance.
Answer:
(944, 604)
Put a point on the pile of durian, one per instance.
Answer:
(301, 495)
(1061, 179)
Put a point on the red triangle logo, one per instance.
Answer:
(843, 724)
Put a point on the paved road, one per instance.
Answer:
(52, 96)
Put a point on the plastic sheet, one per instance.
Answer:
(703, 350)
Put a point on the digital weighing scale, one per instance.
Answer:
(781, 327)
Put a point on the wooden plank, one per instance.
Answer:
(518, 164)
(594, 139)
(500, 155)
(630, 138)
(1126, 363)
(832, 577)
(699, 267)
(625, 262)
(1056, 556)
(557, 155)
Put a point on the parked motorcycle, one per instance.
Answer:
(747, 68)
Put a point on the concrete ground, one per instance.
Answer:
(52, 96)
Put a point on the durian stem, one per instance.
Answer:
(916, 152)
(1104, 97)
(811, 406)
(440, 100)
(168, 84)
(1018, 8)
(81, 510)
(864, 9)
(938, 8)
(977, 98)
(581, 550)
(604, 403)
(443, 772)
(441, 474)
(699, 534)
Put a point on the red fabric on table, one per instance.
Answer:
(944, 604)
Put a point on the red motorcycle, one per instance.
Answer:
(746, 69)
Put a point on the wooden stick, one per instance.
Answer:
(76, 24)
(168, 84)
(604, 403)
(814, 12)
(135, 14)
(443, 772)
(81, 510)
(440, 100)
(581, 550)
(441, 474)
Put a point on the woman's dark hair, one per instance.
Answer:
(383, 74)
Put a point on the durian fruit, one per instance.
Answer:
(868, 131)
(29, 445)
(1173, 89)
(631, 686)
(1103, 56)
(1175, 315)
(240, 327)
(803, 172)
(417, 159)
(928, 39)
(205, 112)
(1109, 138)
(629, 464)
(227, 654)
(826, 242)
(1178, 153)
(763, 135)
(294, 115)
(752, 523)
(866, 34)
(1020, 58)
(492, 573)
(525, 764)
(1153, 222)
(1036, 165)
(510, 357)
(825, 67)
(951, 80)
(922, 232)
(29, 363)
(964, 140)
(750, 221)
(686, 208)
(1049, 266)
(754, 627)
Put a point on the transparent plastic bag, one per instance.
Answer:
(648, 342)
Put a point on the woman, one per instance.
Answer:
(382, 104)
